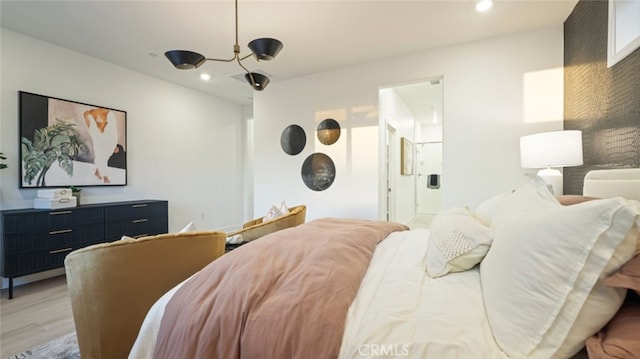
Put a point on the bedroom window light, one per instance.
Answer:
(551, 149)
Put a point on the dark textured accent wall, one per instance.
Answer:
(602, 102)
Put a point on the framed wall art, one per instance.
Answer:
(406, 156)
(623, 29)
(67, 143)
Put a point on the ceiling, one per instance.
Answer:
(317, 35)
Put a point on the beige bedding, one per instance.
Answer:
(292, 302)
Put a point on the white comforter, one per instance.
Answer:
(399, 310)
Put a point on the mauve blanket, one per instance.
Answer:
(285, 295)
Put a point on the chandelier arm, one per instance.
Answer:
(246, 57)
(221, 60)
(253, 81)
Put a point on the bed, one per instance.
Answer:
(523, 275)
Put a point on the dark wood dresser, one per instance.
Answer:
(36, 240)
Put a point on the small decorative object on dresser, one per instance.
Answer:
(36, 240)
(54, 199)
(75, 192)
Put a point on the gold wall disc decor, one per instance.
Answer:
(328, 131)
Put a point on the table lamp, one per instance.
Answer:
(551, 149)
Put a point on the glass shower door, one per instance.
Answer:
(429, 180)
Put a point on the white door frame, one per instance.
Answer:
(391, 164)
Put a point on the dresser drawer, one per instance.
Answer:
(136, 227)
(49, 220)
(53, 239)
(134, 211)
(31, 262)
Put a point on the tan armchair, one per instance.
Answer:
(113, 285)
(256, 228)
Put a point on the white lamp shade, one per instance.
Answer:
(551, 149)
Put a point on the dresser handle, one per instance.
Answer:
(61, 231)
(140, 220)
(69, 249)
(60, 212)
(139, 205)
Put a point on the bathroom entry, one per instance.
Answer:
(428, 129)
(413, 111)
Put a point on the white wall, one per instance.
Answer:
(183, 145)
(396, 113)
(483, 110)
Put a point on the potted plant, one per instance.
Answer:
(2, 157)
(75, 191)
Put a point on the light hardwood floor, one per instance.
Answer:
(39, 312)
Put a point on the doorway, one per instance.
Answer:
(414, 111)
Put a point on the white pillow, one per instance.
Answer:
(273, 213)
(457, 242)
(235, 239)
(541, 270)
(283, 208)
(531, 195)
(191, 227)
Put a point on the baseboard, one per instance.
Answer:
(33, 277)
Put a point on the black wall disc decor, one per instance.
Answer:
(293, 140)
(328, 131)
(318, 172)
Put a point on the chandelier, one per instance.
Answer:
(262, 49)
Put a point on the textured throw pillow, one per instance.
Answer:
(543, 278)
(627, 277)
(457, 242)
(534, 194)
(619, 339)
(191, 227)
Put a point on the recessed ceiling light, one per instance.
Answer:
(484, 5)
(205, 76)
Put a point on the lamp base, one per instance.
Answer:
(553, 179)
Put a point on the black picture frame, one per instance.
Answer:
(67, 143)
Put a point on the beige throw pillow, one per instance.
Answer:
(457, 242)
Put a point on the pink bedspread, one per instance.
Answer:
(285, 295)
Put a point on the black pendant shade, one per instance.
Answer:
(265, 48)
(185, 60)
(261, 81)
